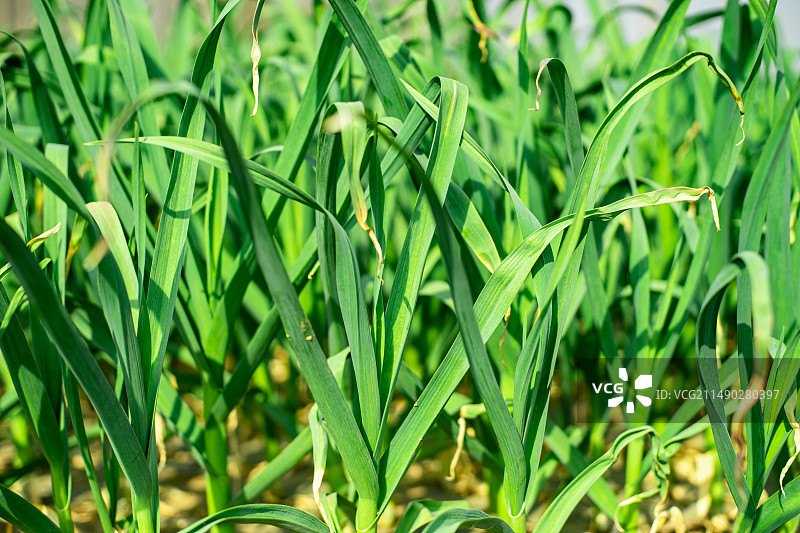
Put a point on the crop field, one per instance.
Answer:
(340, 266)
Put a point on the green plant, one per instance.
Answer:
(169, 265)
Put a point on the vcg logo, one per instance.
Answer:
(644, 381)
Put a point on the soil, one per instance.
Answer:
(690, 507)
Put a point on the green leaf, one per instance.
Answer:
(44, 170)
(754, 267)
(77, 103)
(170, 244)
(326, 392)
(557, 513)
(494, 299)
(408, 274)
(280, 516)
(134, 72)
(754, 209)
(18, 512)
(370, 51)
(351, 125)
(482, 372)
(454, 520)
(28, 382)
(74, 351)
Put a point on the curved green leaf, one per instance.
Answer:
(280, 516)
(18, 512)
(454, 520)
(557, 513)
(74, 351)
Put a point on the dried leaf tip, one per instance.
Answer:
(376, 244)
(542, 64)
(483, 30)
(711, 198)
(690, 194)
(255, 56)
(360, 207)
(741, 127)
(361, 218)
(462, 430)
(320, 457)
(796, 432)
(731, 87)
(708, 191)
(45, 235)
(313, 270)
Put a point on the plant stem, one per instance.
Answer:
(513, 510)
(143, 514)
(61, 495)
(518, 523)
(366, 512)
(218, 487)
(629, 515)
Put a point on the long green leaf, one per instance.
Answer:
(364, 40)
(74, 351)
(281, 516)
(489, 308)
(18, 512)
(557, 513)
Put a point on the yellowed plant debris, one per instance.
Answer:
(255, 56)
(39, 238)
(790, 406)
(462, 430)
